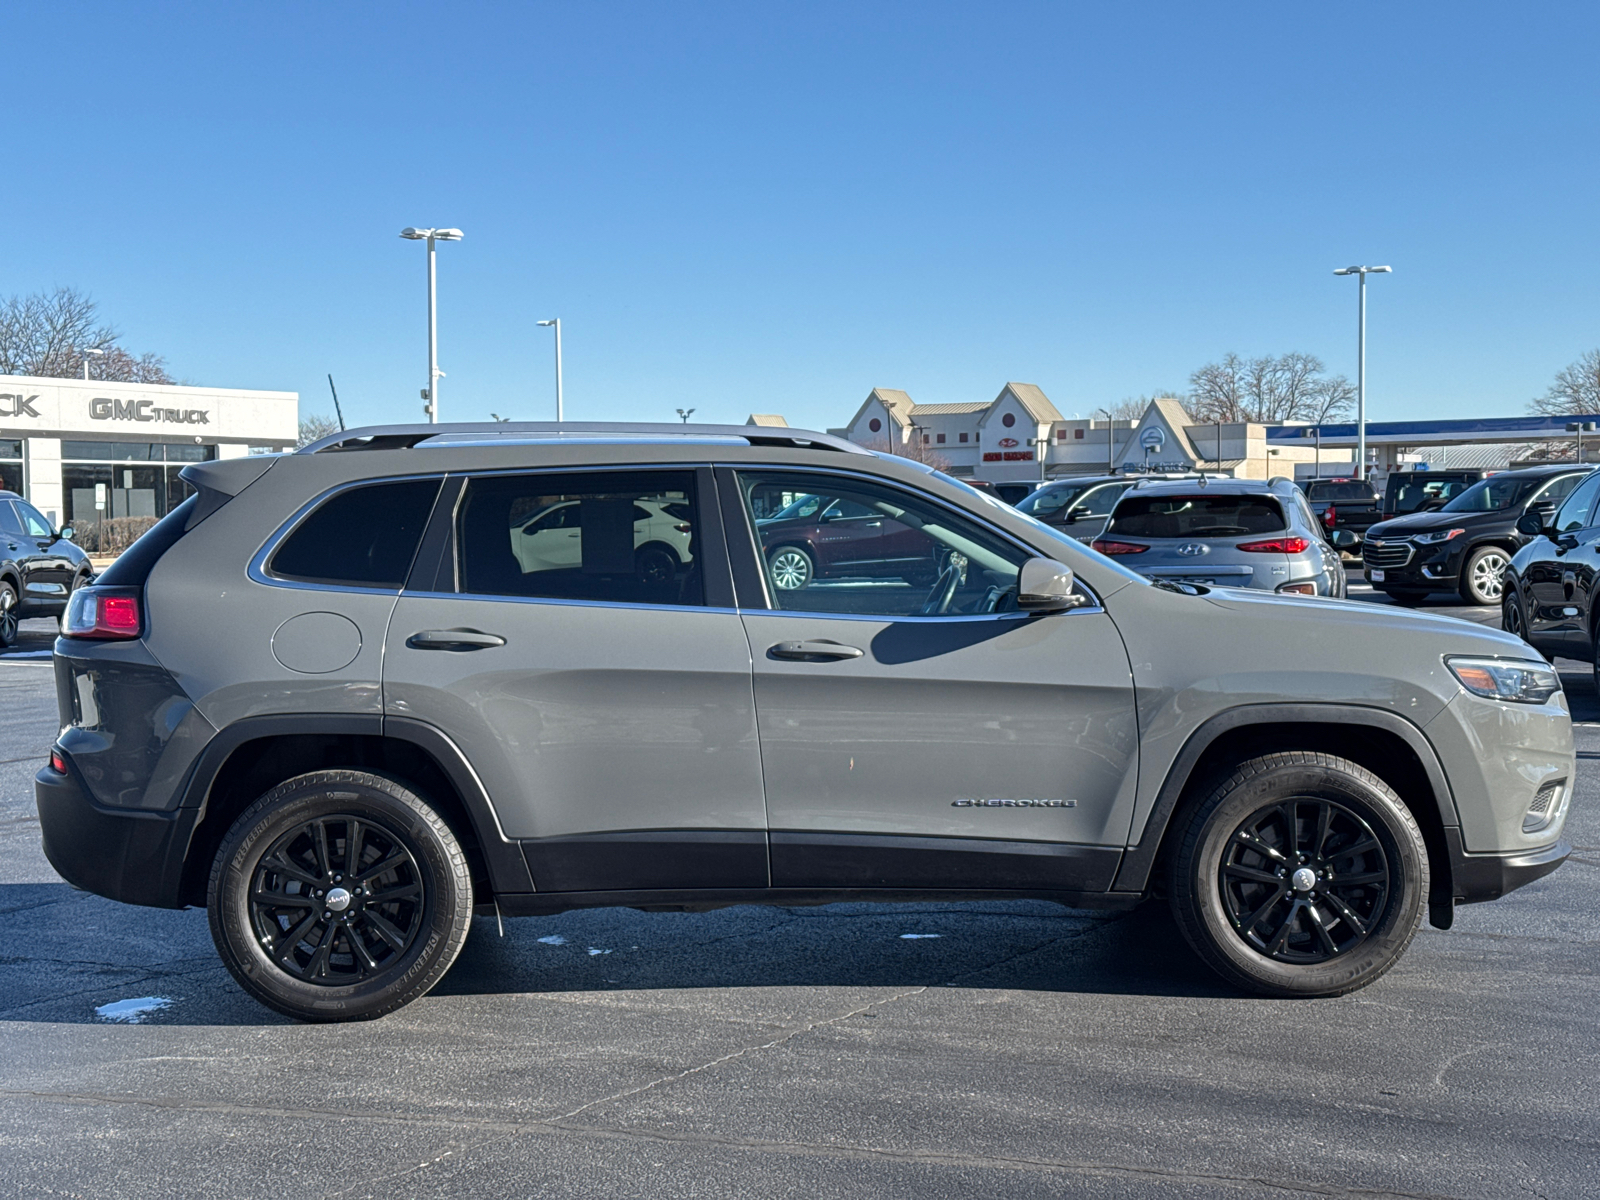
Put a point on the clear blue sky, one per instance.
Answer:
(775, 207)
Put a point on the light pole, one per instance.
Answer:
(1111, 441)
(556, 321)
(431, 392)
(1315, 431)
(1580, 428)
(1361, 364)
(88, 353)
(686, 413)
(1044, 445)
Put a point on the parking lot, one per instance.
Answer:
(996, 1049)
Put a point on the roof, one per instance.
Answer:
(899, 405)
(948, 410)
(772, 419)
(1031, 396)
(503, 433)
(1224, 485)
(1178, 420)
(1477, 429)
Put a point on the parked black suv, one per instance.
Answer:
(1467, 544)
(1343, 504)
(1549, 590)
(39, 566)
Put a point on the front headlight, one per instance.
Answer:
(1505, 679)
(1438, 535)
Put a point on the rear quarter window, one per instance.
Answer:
(364, 537)
(1196, 516)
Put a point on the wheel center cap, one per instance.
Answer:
(339, 898)
(1304, 880)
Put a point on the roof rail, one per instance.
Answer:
(408, 437)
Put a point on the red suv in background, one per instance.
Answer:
(815, 537)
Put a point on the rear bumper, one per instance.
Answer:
(132, 856)
(1479, 877)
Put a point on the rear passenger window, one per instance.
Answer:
(624, 537)
(364, 537)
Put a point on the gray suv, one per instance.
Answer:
(345, 698)
(1242, 533)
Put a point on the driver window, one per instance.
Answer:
(1577, 512)
(912, 558)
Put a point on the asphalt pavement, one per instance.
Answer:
(1006, 1049)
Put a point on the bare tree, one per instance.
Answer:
(1575, 392)
(46, 334)
(1131, 408)
(1290, 387)
(913, 449)
(314, 428)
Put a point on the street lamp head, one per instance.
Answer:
(415, 235)
(1381, 270)
(1363, 270)
(90, 350)
(552, 321)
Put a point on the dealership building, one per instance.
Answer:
(83, 451)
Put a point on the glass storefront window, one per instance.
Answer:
(125, 479)
(11, 465)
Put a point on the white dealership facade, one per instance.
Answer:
(82, 450)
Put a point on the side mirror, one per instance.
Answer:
(1345, 539)
(1533, 521)
(64, 534)
(1045, 585)
(1431, 505)
(1070, 517)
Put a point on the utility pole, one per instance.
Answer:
(431, 392)
(556, 321)
(1111, 441)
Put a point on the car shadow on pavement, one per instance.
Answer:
(74, 958)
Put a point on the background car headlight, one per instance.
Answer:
(1503, 679)
(1438, 535)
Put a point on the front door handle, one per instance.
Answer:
(454, 639)
(813, 651)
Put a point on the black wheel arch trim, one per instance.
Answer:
(502, 857)
(1138, 863)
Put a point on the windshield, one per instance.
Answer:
(1341, 491)
(1495, 494)
(1214, 515)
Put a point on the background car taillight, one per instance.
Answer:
(1331, 517)
(1106, 547)
(58, 761)
(1303, 588)
(95, 612)
(1288, 545)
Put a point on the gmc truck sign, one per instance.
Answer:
(105, 408)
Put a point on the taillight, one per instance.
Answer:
(103, 613)
(1106, 547)
(58, 761)
(1330, 517)
(684, 528)
(1288, 545)
(1300, 589)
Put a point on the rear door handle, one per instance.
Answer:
(812, 651)
(454, 639)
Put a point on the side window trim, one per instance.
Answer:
(751, 579)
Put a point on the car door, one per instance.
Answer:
(850, 540)
(606, 703)
(46, 573)
(1549, 577)
(933, 737)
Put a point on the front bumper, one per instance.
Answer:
(123, 854)
(1478, 877)
(1430, 567)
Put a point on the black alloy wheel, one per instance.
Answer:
(339, 895)
(1300, 874)
(337, 899)
(1304, 880)
(657, 567)
(1511, 619)
(8, 613)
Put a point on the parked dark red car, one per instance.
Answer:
(831, 537)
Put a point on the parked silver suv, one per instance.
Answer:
(336, 699)
(1245, 533)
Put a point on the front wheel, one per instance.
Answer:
(8, 614)
(339, 896)
(1482, 577)
(1302, 874)
(1511, 618)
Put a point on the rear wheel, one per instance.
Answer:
(1302, 874)
(1511, 617)
(339, 896)
(8, 613)
(791, 567)
(1482, 577)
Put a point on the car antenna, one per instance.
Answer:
(337, 410)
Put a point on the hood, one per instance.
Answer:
(1342, 617)
(1427, 522)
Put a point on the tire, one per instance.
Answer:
(1259, 930)
(1512, 618)
(1482, 575)
(8, 613)
(368, 959)
(791, 568)
(656, 567)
